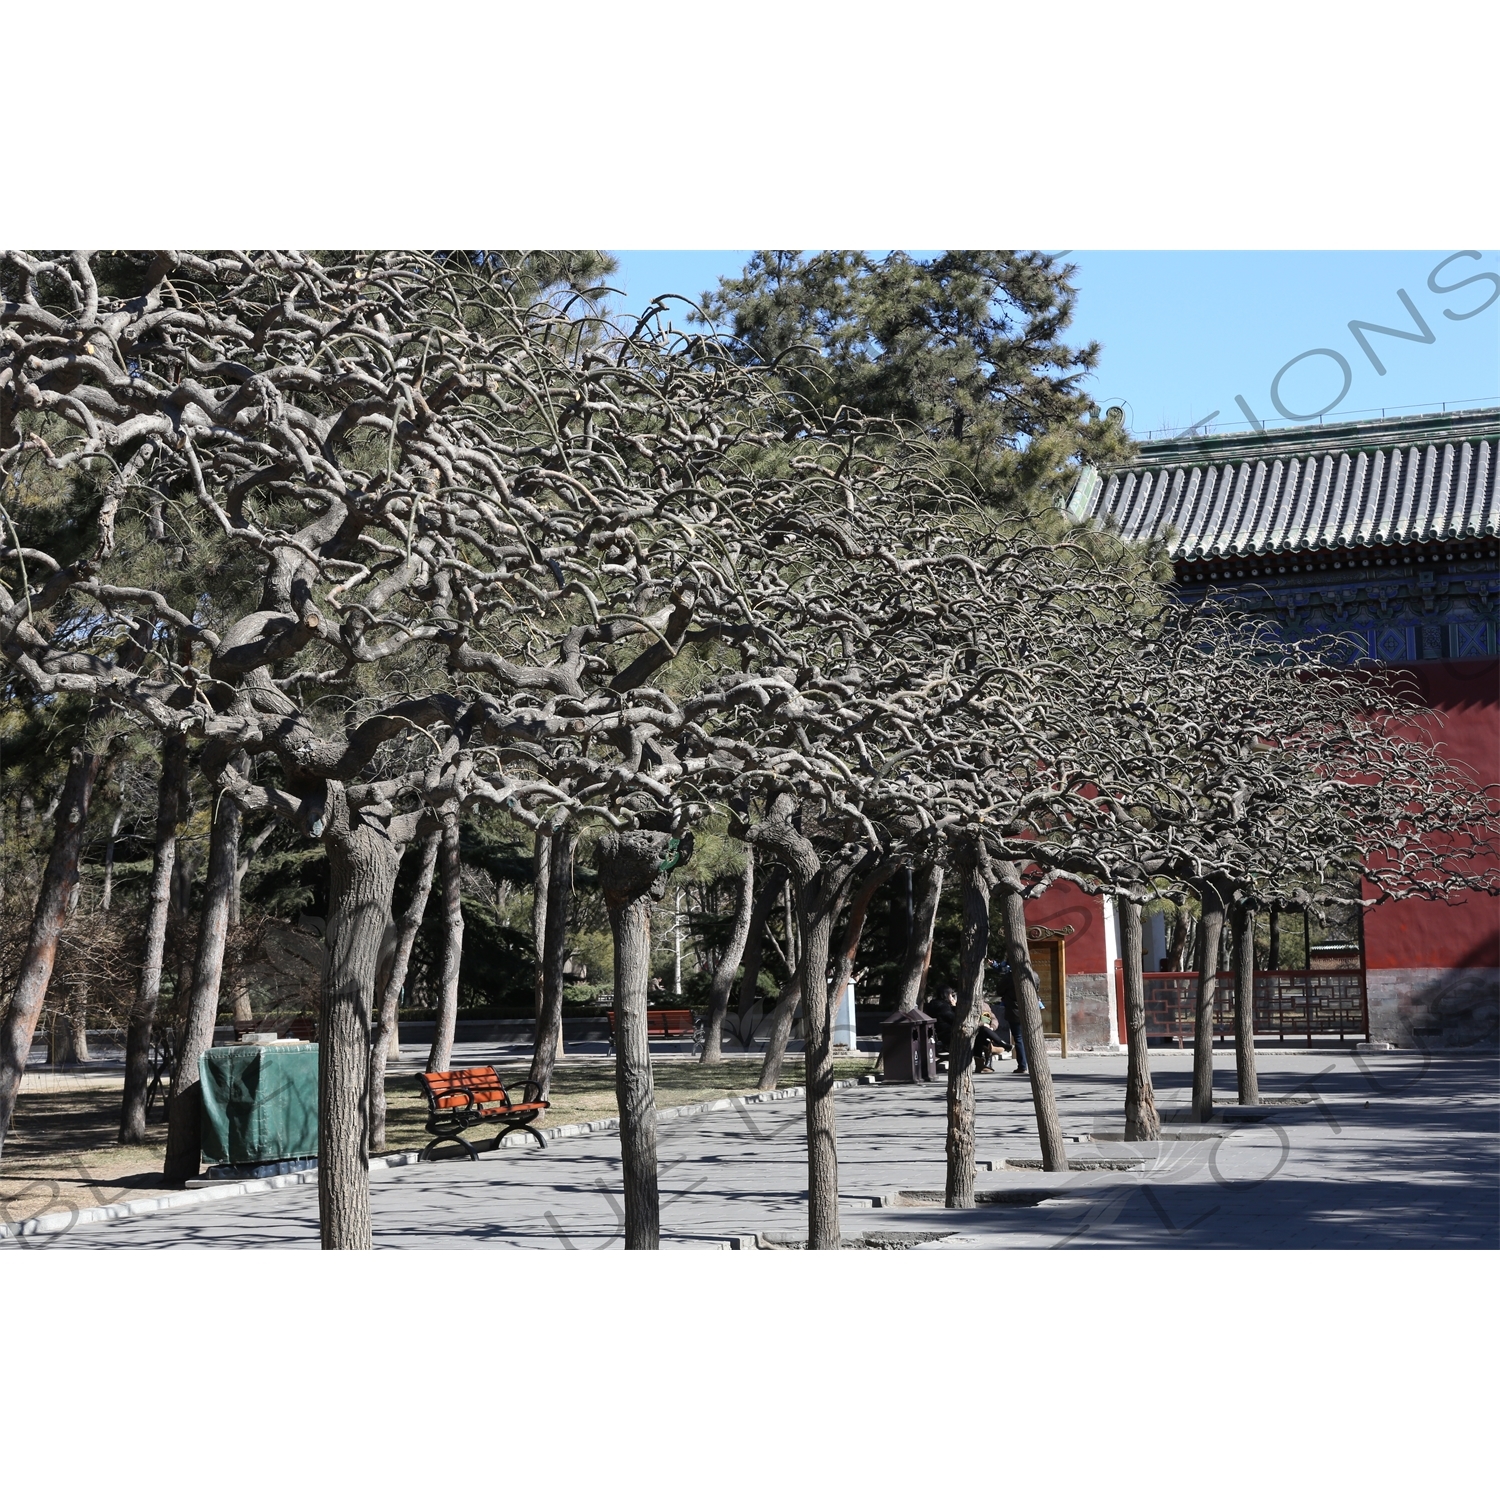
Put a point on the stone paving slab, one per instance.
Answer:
(1389, 1151)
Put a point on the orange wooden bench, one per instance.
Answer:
(662, 1025)
(464, 1097)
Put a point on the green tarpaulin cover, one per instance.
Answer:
(259, 1103)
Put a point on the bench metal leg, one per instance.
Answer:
(443, 1140)
(530, 1130)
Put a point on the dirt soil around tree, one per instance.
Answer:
(61, 1152)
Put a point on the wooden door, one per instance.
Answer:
(1048, 958)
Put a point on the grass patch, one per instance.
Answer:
(61, 1152)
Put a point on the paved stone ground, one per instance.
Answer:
(1393, 1151)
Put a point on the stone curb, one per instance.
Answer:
(137, 1208)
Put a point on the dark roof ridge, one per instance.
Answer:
(1376, 433)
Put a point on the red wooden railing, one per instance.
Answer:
(1296, 1003)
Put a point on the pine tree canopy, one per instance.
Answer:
(966, 345)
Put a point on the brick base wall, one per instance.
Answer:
(1453, 1007)
(1090, 997)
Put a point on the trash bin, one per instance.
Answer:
(260, 1108)
(909, 1047)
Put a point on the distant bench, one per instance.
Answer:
(662, 1026)
(474, 1096)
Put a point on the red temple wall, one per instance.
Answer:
(1090, 993)
(1430, 934)
(1432, 970)
(1064, 905)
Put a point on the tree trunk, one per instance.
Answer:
(554, 953)
(782, 1016)
(77, 1029)
(440, 1056)
(631, 875)
(1142, 1122)
(1210, 927)
(541, 875)
(789, 927)
(1244, 1003)
(239, 995)
(68, 1037)
(180, 923)
(59, 881)
(816, 912)
(362, 864)
(109, 860)
(1182, 939)
(184, 1105)
(854, 927)
(929, 889)
(976, 882)
(385, 1042)
(1273, 958)
(822, 887)
(239, 987)
(1028, 1002)
(767, 897)
(729, 963)
(677, 944)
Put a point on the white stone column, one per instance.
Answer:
(1111, 958)
(843, 1021)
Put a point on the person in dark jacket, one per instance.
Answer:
(944, 1011)
(1012, 1008)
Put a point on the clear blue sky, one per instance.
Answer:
(1186, 332)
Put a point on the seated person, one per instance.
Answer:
(944, 1011)
(987, 1042)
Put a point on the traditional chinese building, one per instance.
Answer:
(1387, 532)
